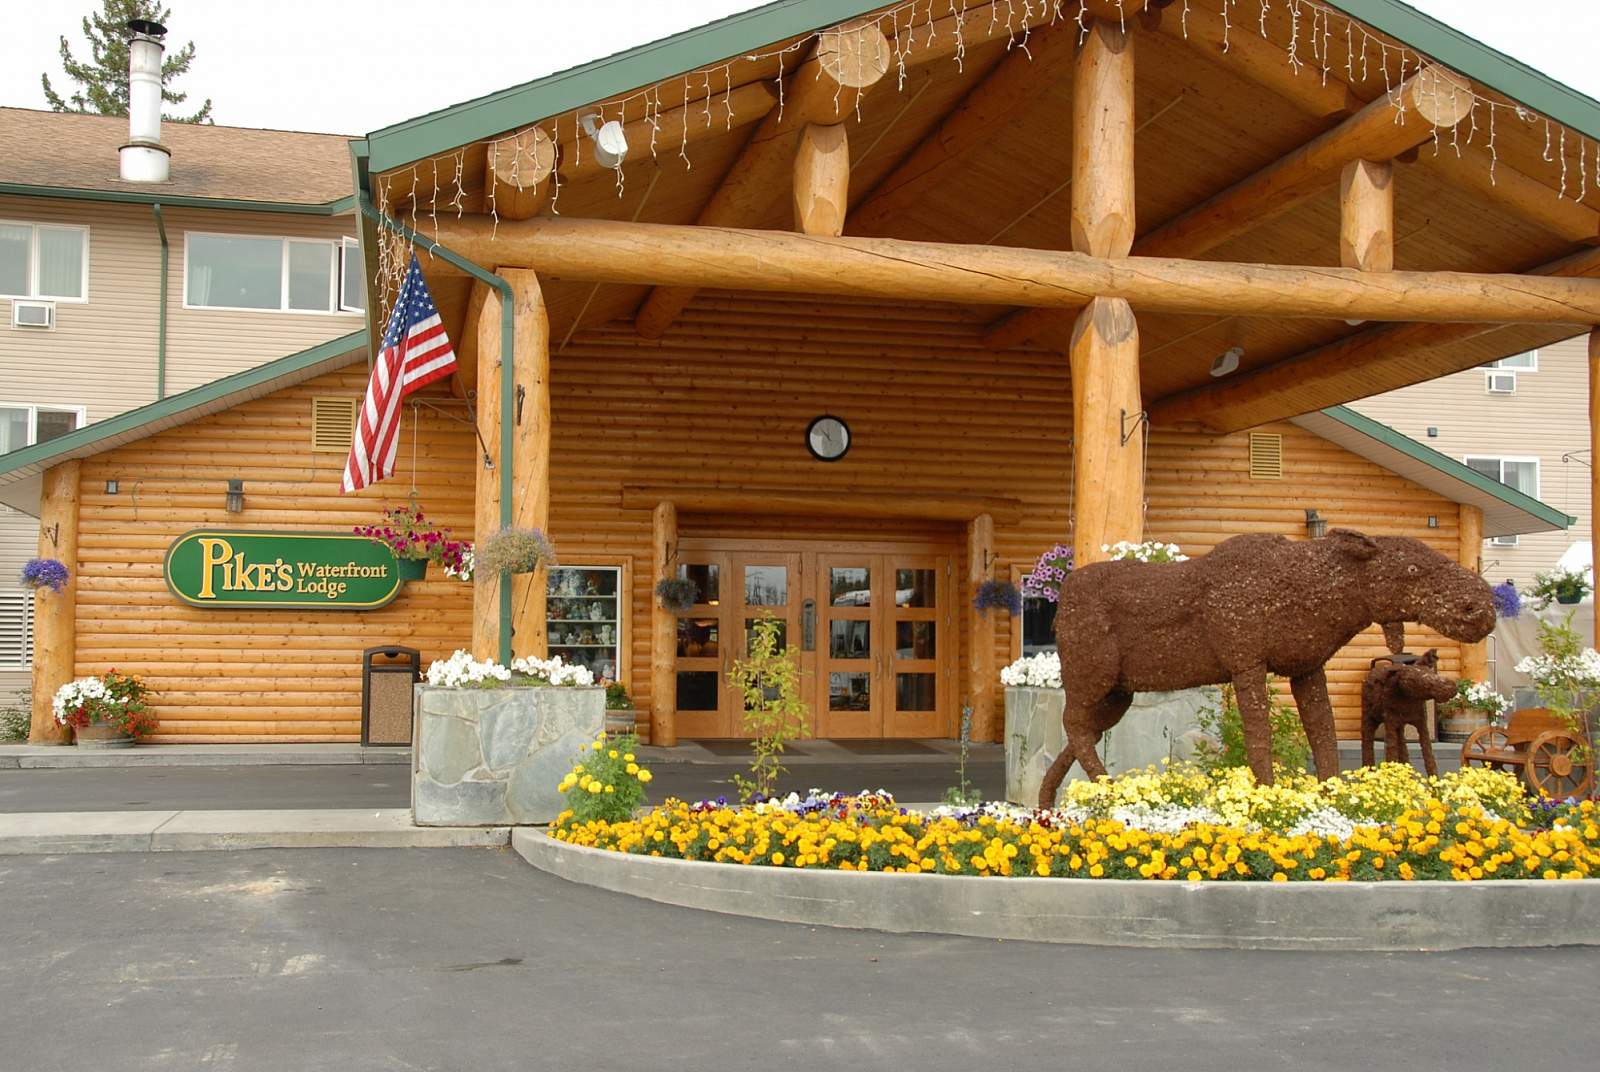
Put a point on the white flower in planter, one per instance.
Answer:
(1041, 671)
(462, 669)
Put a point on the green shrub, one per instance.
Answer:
(768, 678)
(15, 717)
(1224, 730)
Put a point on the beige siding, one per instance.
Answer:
(102, 354)
(1547, 418)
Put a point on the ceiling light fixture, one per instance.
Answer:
(610, 143)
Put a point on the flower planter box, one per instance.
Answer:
(411, 569)
(493, 757)
(1159, 725)
(98, 735)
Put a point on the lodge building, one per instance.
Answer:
(688, 372)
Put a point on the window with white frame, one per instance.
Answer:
(290, 275)
(1519, 473)
(1524, 362)
(16, 629)
(352, 278)
(23, 425)
(1038, 625)
(44, 260)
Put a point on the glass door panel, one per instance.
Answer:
(703, 702)
(850, 593)
(769, 586)
(920, 623)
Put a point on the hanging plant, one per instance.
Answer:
(513, 551)
(45, 573)
(1507, 600)
(677, 594)
(998, 594)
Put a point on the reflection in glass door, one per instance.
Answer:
(917, 629)
(849, 652)
(770, 588)
(701, 654)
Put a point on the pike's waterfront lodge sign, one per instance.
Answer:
(281, 570)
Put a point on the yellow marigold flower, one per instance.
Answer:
(644, 775)
(594, 787)
(610, 789)
(628, 757)
(633, 768)
(597, 745)
(777, 858)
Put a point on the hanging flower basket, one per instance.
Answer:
(48, 573)
(677, 594)
(1001, 595)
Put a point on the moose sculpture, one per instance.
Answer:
(1395, 695)
(1256, 605)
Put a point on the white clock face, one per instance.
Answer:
(828, 438)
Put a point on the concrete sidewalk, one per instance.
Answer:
(55, 833)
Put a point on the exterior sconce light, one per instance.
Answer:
(235, 499)
(610, 143)
(111, 487)
(1316, 525)
(1433, 521)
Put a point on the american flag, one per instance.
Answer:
(415, 353)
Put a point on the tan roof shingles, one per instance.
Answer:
(79, 152)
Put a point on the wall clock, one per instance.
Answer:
(828, 438)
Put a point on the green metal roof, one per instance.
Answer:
(182, 408)
(1507, 511)
(496, 113)
(155, 197)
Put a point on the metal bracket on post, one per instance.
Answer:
(1142, 417)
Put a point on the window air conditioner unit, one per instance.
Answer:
(33, 314)
(1502, 383)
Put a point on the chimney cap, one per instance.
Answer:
(147, 27)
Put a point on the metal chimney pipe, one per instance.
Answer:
(144, 158)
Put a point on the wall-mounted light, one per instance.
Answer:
(1433, 521)
(1316, 525)
(111, 487)
(1433, 433)
(610, 143)
(1227, 361)
(234, 502)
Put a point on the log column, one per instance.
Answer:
(663, 630)
(1107, 440)
(982, 674)
(55, 613)
(530, 461)
(1474, 657)
(1594, 451)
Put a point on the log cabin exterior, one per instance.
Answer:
(935, 228)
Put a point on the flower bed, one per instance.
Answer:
(1385, 823)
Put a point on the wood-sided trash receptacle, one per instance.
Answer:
(387, 674)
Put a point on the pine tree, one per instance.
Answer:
(103, 79)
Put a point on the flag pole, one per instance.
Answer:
(508, 383)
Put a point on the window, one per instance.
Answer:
(1528, 362)
(40, 260)
(584, 617)
(16, 629)
(352, 278)
(1038, 625)
(23, 425)
(1519, 473)
(295, 275)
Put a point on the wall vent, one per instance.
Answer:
(1266, 456)
(333, 424)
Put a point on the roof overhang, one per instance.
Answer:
(336, 207)
(21, 470)
(1506, 511)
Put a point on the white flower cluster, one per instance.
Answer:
(1325, 822)
(554, 671)
(469, 565)
(74, 694)
(1149, 551)
(1581, 672)
(462, 669)
(1041, 671)
(1483, 697)
(1163, 818)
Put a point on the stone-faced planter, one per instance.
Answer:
(493, 757)
(1159, 725)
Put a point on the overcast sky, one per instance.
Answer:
(353, 66)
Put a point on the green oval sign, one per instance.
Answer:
(288, 570)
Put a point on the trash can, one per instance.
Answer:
(387, 674)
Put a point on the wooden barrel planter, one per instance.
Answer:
(98, 735)
(619, 721)
(1457, 721)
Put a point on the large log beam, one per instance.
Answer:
(1432, 100)
(663, 628)
(982, 674)
(997, 100)
(55, 614)
(1377, 359)
(1102, 142)
(847, 62)
(1366, 216)
(1594, 449)
(603, 251)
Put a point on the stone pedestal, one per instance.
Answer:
(1159, 725)
(493, 757)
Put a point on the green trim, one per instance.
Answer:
(129, 197)
(176, 405)
(496, 113)
(487, 116)
(161, 316)
(508, 383)
(1448, 465)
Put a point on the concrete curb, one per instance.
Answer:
(1354, 916)
(54, 833)
(60, 757)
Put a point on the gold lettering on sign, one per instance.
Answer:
(214, 551)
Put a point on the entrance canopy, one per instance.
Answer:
(1357, 134)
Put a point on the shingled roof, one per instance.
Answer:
(78, 153)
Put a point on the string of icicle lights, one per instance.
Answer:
(1322, 43)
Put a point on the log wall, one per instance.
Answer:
(724, 398)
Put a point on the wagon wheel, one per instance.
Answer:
(1558, 767)
(1486, 738)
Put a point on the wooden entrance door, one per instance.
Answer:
(737, 589)
(886, 647)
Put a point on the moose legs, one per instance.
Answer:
(1250, 688)
(1316, 715)
(1084, 723)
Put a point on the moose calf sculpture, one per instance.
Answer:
(1256, 605)
(1395, 695)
